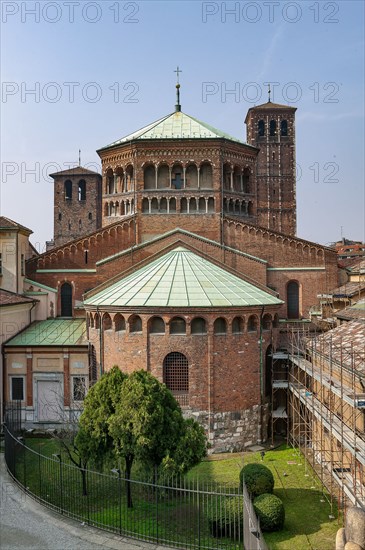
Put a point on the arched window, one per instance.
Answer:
(119, 323)
(107, 322)
(252, 323)
(276, 321)
(266, 322)
(237, 325)
(261, 128)
(206, 176)
(176, 375)
(272, 127)
(68, 190)
(66, 300)
(157, 325)
(163, 177)
(220, 326)
(191, 176)
(284, 127)
(82, 190)
(292, 299)
(198, 326)
(177, 326)
(59, 216)
(90, 216)
(149, 177)
(135, 324)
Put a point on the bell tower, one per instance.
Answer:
(271, 128)
(77, 204)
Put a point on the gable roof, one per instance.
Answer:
(176, 125)
(181, 278)
(7, 223)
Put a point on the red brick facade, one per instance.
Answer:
(231, 203)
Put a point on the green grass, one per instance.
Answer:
(172, 516)
(307, 524)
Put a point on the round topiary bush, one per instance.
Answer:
(270, 511)
(226, 518)
(258, 479)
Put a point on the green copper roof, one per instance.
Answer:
(177, 125)
(181, 278)
(54, 332)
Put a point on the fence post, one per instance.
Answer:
(118, 472)
(61, 484)
(156, 492)
(198, 508)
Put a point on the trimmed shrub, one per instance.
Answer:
(226, 518)
(270, 511)
(258, 479)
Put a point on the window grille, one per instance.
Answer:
(176, 373)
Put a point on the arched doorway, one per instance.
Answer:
(66, 300)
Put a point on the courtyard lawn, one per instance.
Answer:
(307, 524)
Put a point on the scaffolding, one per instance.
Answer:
(326, 407)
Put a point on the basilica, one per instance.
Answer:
(182, 259)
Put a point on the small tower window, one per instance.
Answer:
(69, 225)
(59, 216)
(68, 190)
(90, 216)
(272, 127)
(284, 127)
(82, 190)
(261, 128)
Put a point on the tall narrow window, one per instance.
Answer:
(66, 300)
(17, 388)
(68, 190)
(82, 190)
(22, 265)
(261, 128)
(272, 127)
(1, 264)
(292, 297)
(284, 127)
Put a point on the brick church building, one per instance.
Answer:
(183, 259)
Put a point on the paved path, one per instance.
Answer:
(27, 525)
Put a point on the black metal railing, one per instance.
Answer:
(174, 511)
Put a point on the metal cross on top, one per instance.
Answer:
(178, 71)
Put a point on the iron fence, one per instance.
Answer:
(177, 512)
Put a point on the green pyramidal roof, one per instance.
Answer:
(181, 278)
(177, 125)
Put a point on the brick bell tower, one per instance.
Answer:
(77, 204)
(271, 128)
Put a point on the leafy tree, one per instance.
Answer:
(137, 417)
(94, 439)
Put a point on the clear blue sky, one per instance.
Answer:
(313, 50)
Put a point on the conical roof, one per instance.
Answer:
(181, 278)
(177, 125)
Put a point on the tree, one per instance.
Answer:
(137, 417)
(93, 438)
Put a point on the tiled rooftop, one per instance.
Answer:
(344, 344)
(177, 125)
(8, 298)
(181, 278)
(53, 332)
(356, 311)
